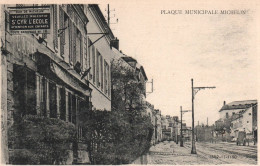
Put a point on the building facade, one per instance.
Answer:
(244, 122)
(99, 56)
(227, 110)
(58, 74)
(239, 116)
(158, 127)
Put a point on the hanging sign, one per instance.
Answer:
(29, 20)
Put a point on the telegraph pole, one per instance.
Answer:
(193, 148)
(195, 90)
(108, 15)
(181, 143)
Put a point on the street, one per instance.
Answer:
(207, 153)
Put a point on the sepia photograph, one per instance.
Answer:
(143, 82)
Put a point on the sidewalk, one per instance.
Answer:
(172, 153)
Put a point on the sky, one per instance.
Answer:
(213, 49)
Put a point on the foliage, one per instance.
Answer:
(223, 126)
(124, 133)
(40, 140)
(113, 140)
(128, 90)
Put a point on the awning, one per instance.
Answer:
(51, 69)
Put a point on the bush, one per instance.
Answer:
(113, 140)
(40, 140)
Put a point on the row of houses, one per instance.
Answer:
(234, 117)
(63, 71)
(166, 127)
(238, 116)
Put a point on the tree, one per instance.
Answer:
(121, 135)
(223, 126)
(128, 91)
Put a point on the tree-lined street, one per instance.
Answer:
(80, 88)
(207, 153)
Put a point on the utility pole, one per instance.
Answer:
(182, 112)
(195, 90)
(108, 15)
(181, 143)
(193, 148)
(177, 132)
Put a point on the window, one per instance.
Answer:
(72, 45)
(105, 77)
(98, 68)
(63, 23)
(88, 54)
(94, 63)
(73, 111)
(55, 26)
(53, 100)
(247, 121)
(249, 113)
(65, 35)
(233, 113)
(101, 72)
(70, 107)
(226, 115)
(43, 94)
(108, 79)
(24, 90)
(79, 57)
(62, 104)
(85, 54)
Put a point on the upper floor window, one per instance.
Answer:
(101, 72)
(108, 78)
(64, 35)
(105, 77)
(94, 63)
(98, 68)
(79, 57)
(55, 27)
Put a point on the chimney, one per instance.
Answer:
(224, 103)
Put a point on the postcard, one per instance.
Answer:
(129, 82)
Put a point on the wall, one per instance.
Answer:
(21, 49)
(100, 99)
(247, 121)
(244, 122)
(3, 85)
(222, 114)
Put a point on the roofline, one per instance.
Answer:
(143, 71)
(80, 13)
(251, 105)
(96, 10)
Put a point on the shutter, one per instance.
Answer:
(55, 28)
(62, 33)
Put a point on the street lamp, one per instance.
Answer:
(182, 112)
(195, 90)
